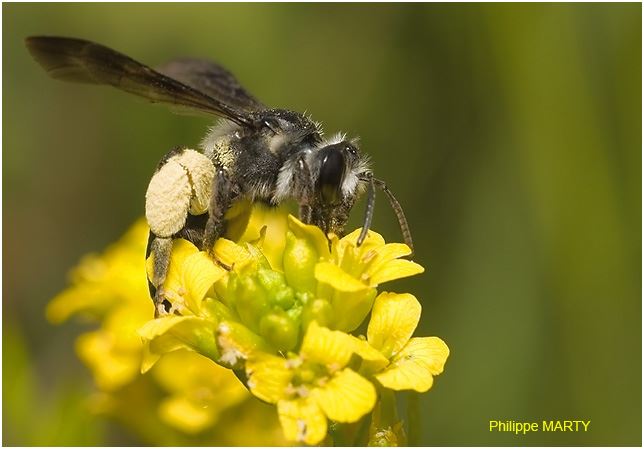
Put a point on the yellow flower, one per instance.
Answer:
(315, 385)
(113, 352)
(199, 391)
(192, 273)
(101, 283)
(110, 287)
(273, 309)
(341, 272)
(412, 362)
(197, 397)
(191, 276)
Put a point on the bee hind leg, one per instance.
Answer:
(161, 248)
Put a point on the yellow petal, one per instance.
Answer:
(413, 367)
(176, 332)
(372, 240)
(82, 299)
(181, 249)
(231, 254)
(383, 255)
(373, 360)
(330, 348)
(268, 376)
(302, 421)
(392, 251)
(160, 326)
(338, 278)
(274, 222)
(346, 397)
(199, 273)
(351, 308)
(395, 269)
(394, 318)
(112, 368)
(237, 219)
(187, 416)
(312, 234)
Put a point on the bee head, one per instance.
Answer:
(339, 169)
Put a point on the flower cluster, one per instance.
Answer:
(282, 308)
(204, 404)
(287, 314)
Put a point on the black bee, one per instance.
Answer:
(254, 153)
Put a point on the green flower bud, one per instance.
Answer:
(235, 343)
(269, 279)
(319, 310)
(279, 330)
(300, 257)
(215, 310)
(251, 301)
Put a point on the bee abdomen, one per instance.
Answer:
(180, 186)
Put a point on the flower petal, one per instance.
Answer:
(394, 318)
(351, 308)
(373, 360)
(268, 376)
(302, 421)
(267, 229)
(395, 269)
(181, 249)
(187, 416)
(346, 397)
(330, 348)
(199, 273)
(372, 240)
(312, 234)
(231, 254)
(414, 366)
(384, 255)
(338, 278)
(170, 333)
(112, 367)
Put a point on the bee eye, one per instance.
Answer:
(351, 150)
(331, 175)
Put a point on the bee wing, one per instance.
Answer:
(81, 61)
(212, 79)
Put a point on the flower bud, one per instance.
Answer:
(250, 301)
(279, 330)
(319, 310)
(300, 257)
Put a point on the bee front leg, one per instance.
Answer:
(161, 249)
(305, 184)
(220, 201)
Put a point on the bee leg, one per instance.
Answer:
(220, 201)
(303, 181)
(162, 248)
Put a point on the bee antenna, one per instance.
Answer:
(400, 215)
(368, 214)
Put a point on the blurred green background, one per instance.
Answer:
(511, 134)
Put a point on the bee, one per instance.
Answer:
(254, 153)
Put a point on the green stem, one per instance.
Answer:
(386, 427)
(413, 416)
